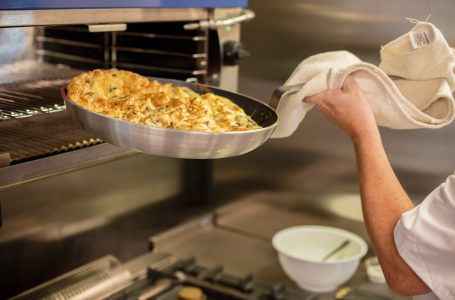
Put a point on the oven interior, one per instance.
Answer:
(32, 125)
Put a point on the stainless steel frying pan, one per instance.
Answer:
(180, 143)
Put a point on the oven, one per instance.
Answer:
(60, 187)
(199, 44)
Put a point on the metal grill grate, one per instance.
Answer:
(41, 136)
(27, 130)
(30, 88)
(20, 101)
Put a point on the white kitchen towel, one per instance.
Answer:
(413, 99)
(421, 54)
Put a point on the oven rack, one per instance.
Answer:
(40, 136)
(29, 88)
(33, 120)
(26, 99)
(154, 49)
(37, 135)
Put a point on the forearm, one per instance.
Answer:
(383, 202)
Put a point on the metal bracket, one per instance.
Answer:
(192, 80)
(107, 27)
(243, 16)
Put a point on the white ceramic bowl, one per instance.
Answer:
(302, 248)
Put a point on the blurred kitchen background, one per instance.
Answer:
(286, 32)
(309, 178)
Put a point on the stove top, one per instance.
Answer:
(199, 260)
(174, 279)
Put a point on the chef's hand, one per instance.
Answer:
(348, 108)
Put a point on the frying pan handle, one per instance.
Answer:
(280, 91)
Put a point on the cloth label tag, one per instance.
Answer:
(419, 39)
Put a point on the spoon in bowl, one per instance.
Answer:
(336, 250)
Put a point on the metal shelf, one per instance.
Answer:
(56, 164)
(58, 4)
(37, 136)
(15, 18)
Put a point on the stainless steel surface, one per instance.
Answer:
(243, 16)
(12, 18)
(219, 73)
(17, 105)
(20, 72)
(92, 281)
(29, 88)
(160, 69)
(107, 27)
(161, 50)
(348, 293)
(14, 175)
(239, 254)
(73, 46)
(191, 280)
(180, 143)
(155, 49)
(57, 223)
(104, 199)
(66, 56)
(106, 276)
(154, 259)
(41, 136)
(241, 236)
(160, 286)
(33, 123)
(57, 207)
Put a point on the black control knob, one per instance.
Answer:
(233, 51)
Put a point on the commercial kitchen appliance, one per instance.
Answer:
(47, 43)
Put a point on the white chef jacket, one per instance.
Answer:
(425, 238)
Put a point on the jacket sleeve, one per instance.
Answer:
(425, 238)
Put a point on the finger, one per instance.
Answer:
(349, 83)
(345, 87)
(315, 99)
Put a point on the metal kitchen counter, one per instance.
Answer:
(239, 237)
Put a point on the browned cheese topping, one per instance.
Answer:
(131, 97)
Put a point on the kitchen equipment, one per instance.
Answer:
(86, 282)
(162, 274)
(301, 251)
(374, 270)
(165, 39)
(80, 183)
(349, 293)
(180, 143)
(68, 198)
